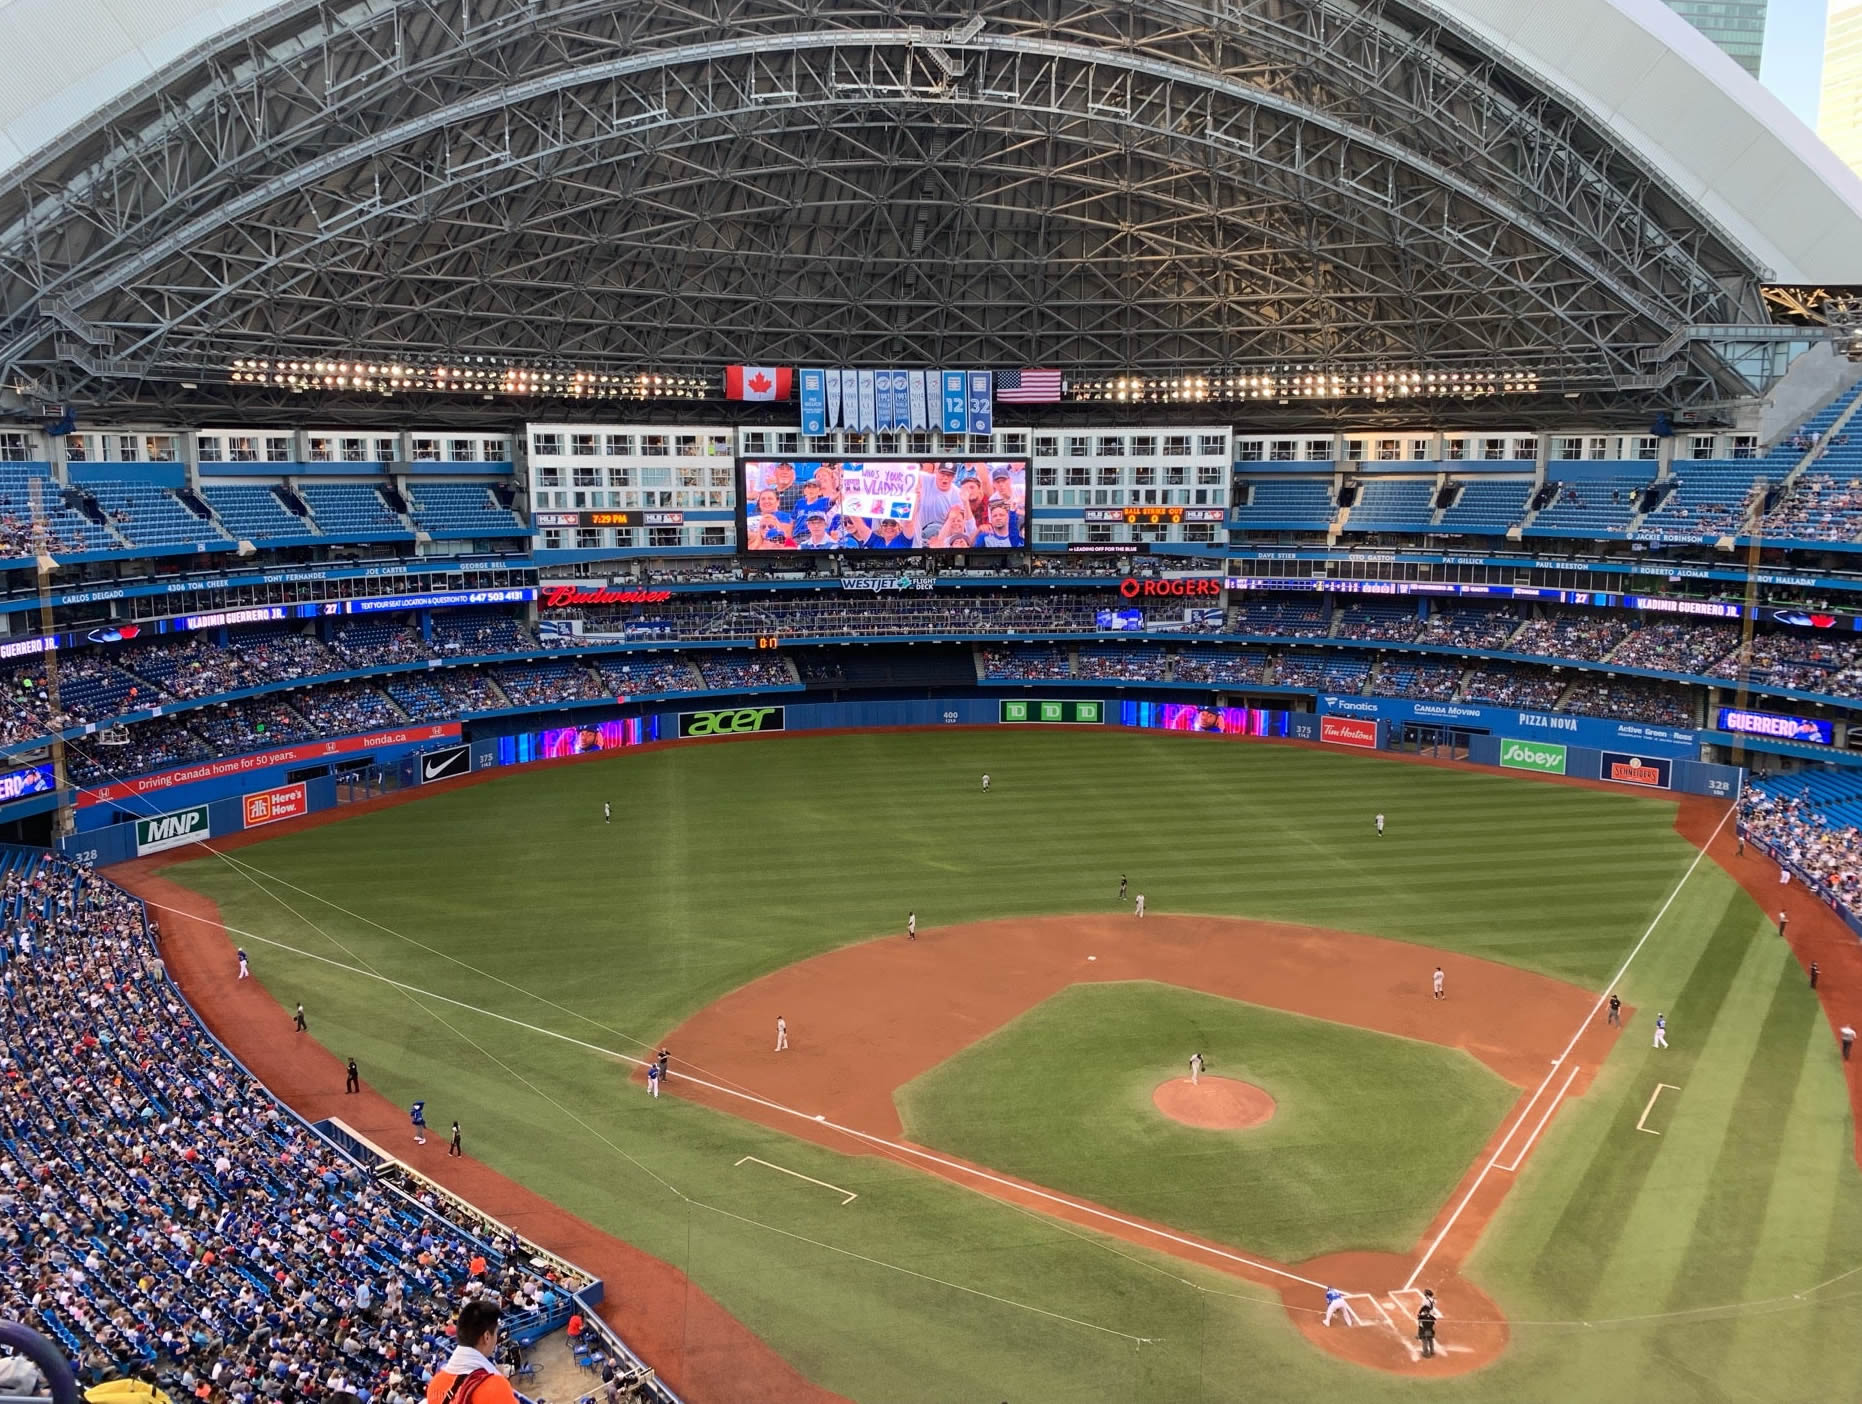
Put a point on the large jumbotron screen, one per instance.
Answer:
(885, 504)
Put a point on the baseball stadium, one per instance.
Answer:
(1322, 862)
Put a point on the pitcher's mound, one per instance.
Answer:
(1213, 1103)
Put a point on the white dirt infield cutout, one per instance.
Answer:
(851, 1196)
(1660, 1087)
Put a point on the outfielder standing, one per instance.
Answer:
(1121, 887)
(1380, 826)
(1661, 1031)
(985, 782)
(245, 971)
(1140, 905)
(911, 926)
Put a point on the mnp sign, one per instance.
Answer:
(172, 830)
(1652, 771)
(1541, 756)
(734, 721)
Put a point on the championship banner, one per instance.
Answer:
(916, 392)
(814, 402)
(834, 389)
(875, 490)
(868, 409)
(955, 419)
(269, 806)
(901, 400)
(886, 414)
(982, 406)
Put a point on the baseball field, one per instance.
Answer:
(959, 1182)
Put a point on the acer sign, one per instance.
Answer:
(269, 806)
(1189, 588)
(733, 721)
(1348, 731)
(567, 596)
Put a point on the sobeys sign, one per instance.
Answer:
(1532, 755)
(739, 721)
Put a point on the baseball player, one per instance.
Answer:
(1784, 920)
(1196, 1067)
(353, 1082)
(418, 1115)
(911, 926)
(607, 812)
(1848, 1035)
(1139, 904)
(985, 782)
(245, 971)
(1439, 978)
(453, 1147)
(298, 1019)
(1426, 1316)
(1616, 1009)
(1335, 1304)
(1380, 826)
(782, 1033)
(1784, 875)
(1814, 972)
(653, 1079)
(665, 1057)
(1661, 1031)
(1121, 887)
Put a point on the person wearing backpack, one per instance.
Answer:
(468, 1376)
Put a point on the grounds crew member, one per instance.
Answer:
(468, 1376)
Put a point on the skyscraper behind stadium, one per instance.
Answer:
(1737, 26)
(1839, 120)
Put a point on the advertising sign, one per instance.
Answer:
(1176, 588)
(1652, 771)
(1542, 756)
(1777, 725)
(574, 596)
(443, 765)
(1348, 731)
(1120, 621)
(1071, 711)
(1220, 721)
(172, 830)
(731, 721)
(269, 806)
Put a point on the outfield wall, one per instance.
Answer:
(191, 804)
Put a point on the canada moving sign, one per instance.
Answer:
(269, 806)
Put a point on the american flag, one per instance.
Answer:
(1028, 387)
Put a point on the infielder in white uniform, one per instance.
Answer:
(782, 1033)
(1196, 1067)
(1380, 825)
(1438, 982)
(1661, 1031)
(1140, 904)
(1335, 1303)
(911, 926)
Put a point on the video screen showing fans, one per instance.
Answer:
(885, 504)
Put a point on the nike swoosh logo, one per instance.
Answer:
(433, 770)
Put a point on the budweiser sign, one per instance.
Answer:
(563, 596)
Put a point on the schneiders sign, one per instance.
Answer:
(734, 721)
(1541, 756)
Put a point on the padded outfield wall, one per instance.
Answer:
(184, 806)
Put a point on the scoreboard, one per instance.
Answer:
(1156, 516)
(607, 519)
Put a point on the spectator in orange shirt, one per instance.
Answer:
(477, 1266)
(575, 1325)
(468, 1376)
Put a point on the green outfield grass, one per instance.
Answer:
(725, 862)
(1062, 1097)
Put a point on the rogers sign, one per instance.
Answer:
(563, 596)
(1194, 588)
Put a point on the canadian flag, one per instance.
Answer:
(756, 382)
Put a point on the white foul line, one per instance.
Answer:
(895, 1147)
(1550, 1107)
(1651, 1107)
(1557, 1062)
(851, 1196)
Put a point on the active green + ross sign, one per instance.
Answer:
(172, 830)
(1541, 756)
(1070, 711)
(735, 721)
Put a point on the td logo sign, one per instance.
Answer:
(1532, 755)
(739, 721)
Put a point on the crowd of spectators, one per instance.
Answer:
(1298, 619)
(646, 674)
(535, 684)
(250, 724)
(1826, 855)
(1422, 678)
(443, 693)
(1378, 622)
(1589, 636)
(159, 744)
(163, 1218)
(1804, 662)
(1515, 685)
(339, 709)
(1141, 662)
(1630, 699)
(192, 667)
(472, 635)
(1240, 669)
(1817, 507)
(1468, 626)
(1678, 646)
(743, 670)
(374, 643)
(1030, 662)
